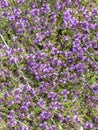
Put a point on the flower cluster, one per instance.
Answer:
(49, 65)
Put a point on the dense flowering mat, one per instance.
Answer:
(49, 65)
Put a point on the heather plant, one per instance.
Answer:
(49, 65)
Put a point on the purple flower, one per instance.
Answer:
(17, 12)
(41, 103)
(18, 99)
(20, 31)
(33, 5)
(94, 12)
(68, 119)
(10, 103)
(61, 117)
(46, 115)
(46, 8)
(44, 126)
(35, 12)
(12, 113)
(96, 127)
(56, 105)
(4, 4)
(96, 119)
(21, 1)
(13, 60)
(65, 93)
(53, 127)
(24, 128)
(88, 125)
(76, 119)
(53, 96)
(95, 88)
(53, 17)
(12, 122)
(97, 36)
(59, 6)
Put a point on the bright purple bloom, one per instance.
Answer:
(88, 125)
(4, 4)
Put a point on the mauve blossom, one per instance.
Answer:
(96, 119)
(95, 88)
(88, 125)
(21, 1)
(4, 4)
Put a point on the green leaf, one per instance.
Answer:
(97, 1)
(93, 79)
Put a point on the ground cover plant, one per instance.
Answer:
(49, 65)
